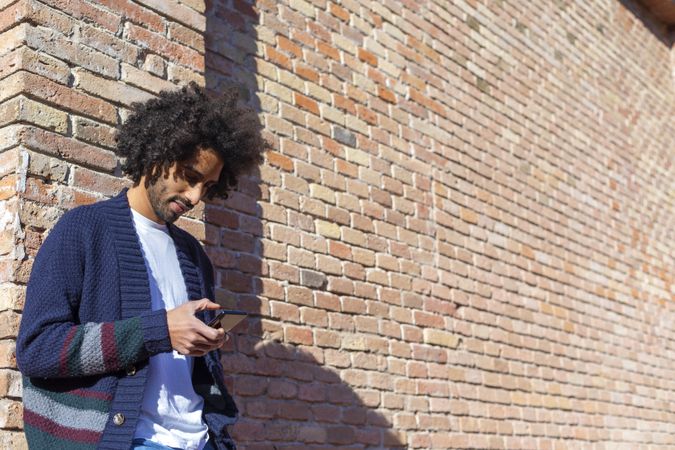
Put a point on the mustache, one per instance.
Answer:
(188, 205)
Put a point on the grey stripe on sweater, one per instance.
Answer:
(64, 415)
(91, 352)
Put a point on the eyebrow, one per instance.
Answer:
(193, 170)
(198, 173)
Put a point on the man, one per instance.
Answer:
(112, 345)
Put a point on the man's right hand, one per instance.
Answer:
(189, 335)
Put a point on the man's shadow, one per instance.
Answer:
(292, 383)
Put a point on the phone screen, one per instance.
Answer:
(227, 319)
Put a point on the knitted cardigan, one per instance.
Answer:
(87, 333)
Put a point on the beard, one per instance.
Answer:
(161, 205)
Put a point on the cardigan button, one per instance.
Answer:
(118, 419)
(131, 371)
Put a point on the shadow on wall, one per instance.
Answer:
(635, 10)
(287, 394)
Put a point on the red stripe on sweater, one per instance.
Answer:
(65, 433)
(92, 394)
(109, 347)
(63, 357)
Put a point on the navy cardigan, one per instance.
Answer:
(87, 332)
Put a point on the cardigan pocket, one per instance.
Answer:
(59, 418)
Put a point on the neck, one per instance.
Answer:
(140, 202)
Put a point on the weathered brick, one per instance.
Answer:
(178, 12)
(35, 12)
(183, 75)
(155, 65)
(439, 337)
(328, 229)
(22, 109)
(58, 95)
(113, 91)
(302, 6)
(7, 354)
(61, 47)
(87, 12)
(25, 58)
(66, 148)
(145, 80)
(186, 36)
(94, 132)
(312, 279)
(137, 14)
(159, 44)
(98, 182)
(11, 414)
(109, 44)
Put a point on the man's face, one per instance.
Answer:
(186, 184)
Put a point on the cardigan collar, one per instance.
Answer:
(134, 284)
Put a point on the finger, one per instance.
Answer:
(209, 333)
(206, 304)
(200, 350)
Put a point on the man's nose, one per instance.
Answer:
(194, 193)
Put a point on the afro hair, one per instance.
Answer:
(173, 126)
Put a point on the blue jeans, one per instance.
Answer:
(144, 444)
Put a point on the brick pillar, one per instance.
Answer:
(463, 235)
(68, 73)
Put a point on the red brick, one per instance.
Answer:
(328, 51)
(306, 103)
(353, 305)
(339, 250)
(339, 12)
(282, 389)
(298, 335)
(386, 94)
(279, 160)
(285, 44)
(34, 12)
(60, 95)
(367, 57)
(59, 46)
(171, 50)
(316, 317)
(87, 12)
(66, 148)
(177, 12)
(137, 14)
(306, 72)
(278, 58)
(285, 312)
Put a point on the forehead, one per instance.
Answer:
(205, 161)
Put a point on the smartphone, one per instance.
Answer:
(227, 319)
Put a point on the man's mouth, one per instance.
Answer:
(178, 207)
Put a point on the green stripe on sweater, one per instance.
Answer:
(129, 340)
(73, 362)
(68, 399)
(38, 439)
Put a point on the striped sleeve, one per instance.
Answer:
(95, 348)
(53, 340)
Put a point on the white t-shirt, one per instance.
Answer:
(171, 413)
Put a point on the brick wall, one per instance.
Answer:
(461, 238)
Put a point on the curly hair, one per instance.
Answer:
(174, 125)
